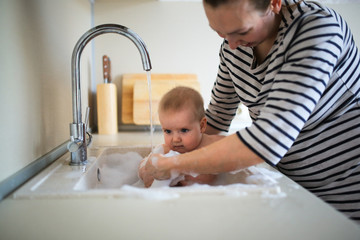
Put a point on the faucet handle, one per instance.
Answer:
(88, 139)
(73, 145)
(89, 136)
(86, 121)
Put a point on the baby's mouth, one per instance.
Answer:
(178, 147)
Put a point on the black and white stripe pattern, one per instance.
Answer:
(304, 102)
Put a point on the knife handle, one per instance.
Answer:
(106, 69)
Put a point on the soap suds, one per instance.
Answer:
(175, 176)
(120, 171)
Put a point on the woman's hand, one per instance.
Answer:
(147, 179)
(150, 169)
(156, 166)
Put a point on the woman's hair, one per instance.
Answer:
(258, 4)
(182, 97)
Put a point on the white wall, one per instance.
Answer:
(177, 35)
(37, 38)
(350, 11)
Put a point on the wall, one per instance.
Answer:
(350, 11)
(177, 35)
(36, 43)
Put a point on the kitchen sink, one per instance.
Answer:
(112, 172)
(114, 168)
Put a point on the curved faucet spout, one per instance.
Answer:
(84, 40)
(78, 145)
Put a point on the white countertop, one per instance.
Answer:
(298, 215)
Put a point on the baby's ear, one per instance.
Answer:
(203, 124)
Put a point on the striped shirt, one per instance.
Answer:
(303, 100)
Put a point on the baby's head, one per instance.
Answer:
(182, 118)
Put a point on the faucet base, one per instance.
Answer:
(78, 164)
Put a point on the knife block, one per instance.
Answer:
(107, 108)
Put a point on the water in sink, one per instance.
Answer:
(116, 169)
(112, 172)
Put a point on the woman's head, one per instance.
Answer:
(247, 23)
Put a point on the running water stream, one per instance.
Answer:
(148, 73)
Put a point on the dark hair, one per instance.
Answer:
(258, 4)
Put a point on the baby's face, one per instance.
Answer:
(182, 132)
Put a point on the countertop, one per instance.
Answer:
(296, 215)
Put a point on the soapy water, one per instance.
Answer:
(120, 172)
(122, 169)
(119, 169)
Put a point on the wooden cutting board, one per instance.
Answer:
(135, 100)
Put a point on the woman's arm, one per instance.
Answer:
(225, 155)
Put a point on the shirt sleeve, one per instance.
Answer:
(224, 99)
(310, 52)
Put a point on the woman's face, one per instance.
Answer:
(240, 23)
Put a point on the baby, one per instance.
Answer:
(182, 118)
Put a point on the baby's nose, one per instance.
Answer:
(176, 137)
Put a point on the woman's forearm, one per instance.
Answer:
(227, 154)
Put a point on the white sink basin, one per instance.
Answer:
(114, 168)
(112, 172)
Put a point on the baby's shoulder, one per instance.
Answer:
(215, 137)
(209, 139)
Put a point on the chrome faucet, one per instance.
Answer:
(80, 138)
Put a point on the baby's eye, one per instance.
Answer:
(167, 131)
(184, 130)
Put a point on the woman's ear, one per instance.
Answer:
(275, 6)
(203, 123)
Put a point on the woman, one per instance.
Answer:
(295, 65)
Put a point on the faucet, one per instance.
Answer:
(80, 137)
